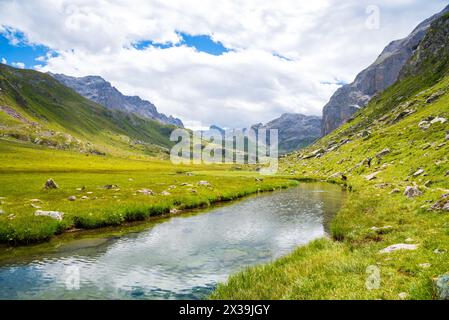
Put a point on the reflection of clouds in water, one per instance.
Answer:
(182, 257)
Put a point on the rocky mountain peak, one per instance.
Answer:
(99, 90)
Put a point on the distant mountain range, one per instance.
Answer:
(376, 78)
(97, 89)
(295, 130)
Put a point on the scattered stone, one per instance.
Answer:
(372, 176)
(165, 193)
(418, 173)
(51, 184)
(438, 120)
(193, 191)
(365, 134)
(146, 192)
(424, 265)
(435, 96)
(110, 186)
(258, 180)
(1, 211)
(424, 125)
(189, 174)
(383, 153)
(447, 136)
(185, 184)
(171, 187)
(399, 246)
(35, 207)
(403, 295)
(317, 153)
(442, 204)
(94, 198)
(90, 192)
(403, 114)
(204, 183)
(394, 191)
(174, 211)
(84, 197)
(412, 192)
(439, 251)
(52, 214)
(71, 198)
(442, 287)
(11, 216)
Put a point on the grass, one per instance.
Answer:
(23, 177)
(338, 268)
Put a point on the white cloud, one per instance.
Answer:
(19, 65)
(4, 61)
(324, 40)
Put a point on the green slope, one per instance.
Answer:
(37, 108)
(377, 213)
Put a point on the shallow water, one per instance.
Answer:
(182, 257)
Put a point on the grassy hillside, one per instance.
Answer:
(35, 107)
(399, 140)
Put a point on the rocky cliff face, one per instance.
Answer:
(375, 79)
(102, 92)
(295, 131)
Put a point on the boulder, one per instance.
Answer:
(146, 192)
(412, 192)
(399, 246)
(52, 214)
(424, 125)
(383, 153)
(372, 176)
(203, 183)
(110, 186)
(71, 198)
(442, 287)
(435, 96)
(438, 120)
(51, 184)
(418, 172)
(442, 204)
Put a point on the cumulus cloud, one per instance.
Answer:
(4, 61)
(19, 65)
(286, 56)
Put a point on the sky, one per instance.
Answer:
(230, 63)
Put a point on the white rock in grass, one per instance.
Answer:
(1, 211)
(399, 246)
(52, 214)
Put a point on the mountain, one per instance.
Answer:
(97, 89)
(295, 130)
(392, 160)
(36, 108)
(375, 79)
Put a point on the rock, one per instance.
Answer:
(435, 96)
(71, 198)
(314, 154)
(365, 134)
(442, 204)
(424, 125)
(34, 206)
(447, 136)
(174, 211)
(372, 176)
(90, 192)
(438, 120)
(428, 183)
(394, 191)
(258, 180)
(84, 198)
(189, 174)
(418, 173)
(399, 246)
(204, 183)
(185, 184)
(412, 192)
(383, 153)
(424, 265)
(442, 287)
(1, 211)
(165, 193)
(51, 184)
(192, 191)
(146, 192)
(110, 186)
(439, 251)
(171, 187)
(403, 295)
(403, 114)
(52, 214)
(36, 201)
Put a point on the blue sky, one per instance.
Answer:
(15, 48)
